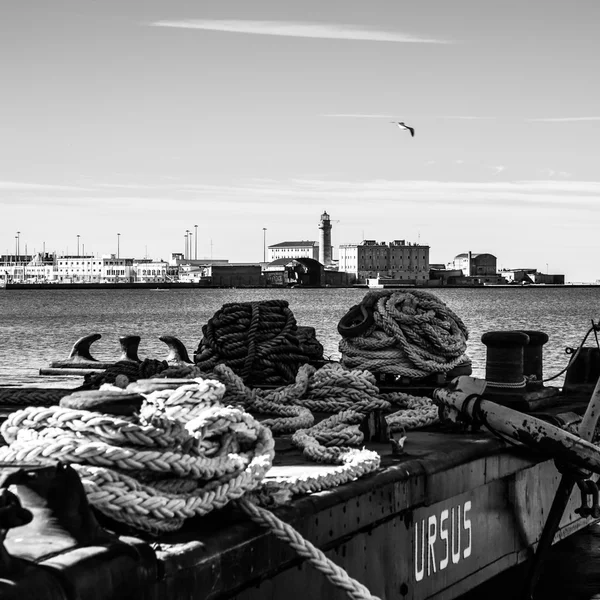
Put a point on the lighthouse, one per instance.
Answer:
(325, 240)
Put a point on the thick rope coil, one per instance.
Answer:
(33, 396)
(257, 340)
(304, 548)
(413, 334)
(150, 471)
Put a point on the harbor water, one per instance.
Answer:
(38, 326)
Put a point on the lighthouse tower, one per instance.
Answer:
(325, 240)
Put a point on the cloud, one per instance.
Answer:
(499, 169)
(21, 186)
(563, 119)
(465, 117)
(358, 116)
(390, 194)
(555, 173)
(329, 31)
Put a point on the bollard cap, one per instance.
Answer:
(505, 339)
(536, 338)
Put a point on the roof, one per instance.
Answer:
(309, 262)
(302, 244)
(473, 255)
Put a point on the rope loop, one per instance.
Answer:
(413, 334)
(257, 340)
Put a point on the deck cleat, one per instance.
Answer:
(178, 354)
(129, 348)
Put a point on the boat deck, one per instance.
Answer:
(420, 527)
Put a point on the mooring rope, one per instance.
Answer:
(304, 548)
(184, 454)
(32, 396)
(134, 468)
(408, 333)
(257, 340)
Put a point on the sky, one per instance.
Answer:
(147, 118)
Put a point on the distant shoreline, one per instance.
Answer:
(185, 285)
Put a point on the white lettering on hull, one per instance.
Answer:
(439, 538)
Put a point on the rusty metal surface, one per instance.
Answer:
(373, 526)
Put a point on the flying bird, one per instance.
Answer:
(403, 126)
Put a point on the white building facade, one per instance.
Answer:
(302, 249)
(147, 270)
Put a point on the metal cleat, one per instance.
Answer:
(178, 355)
(79, 358)
(129, 348)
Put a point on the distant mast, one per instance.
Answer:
(325, 240)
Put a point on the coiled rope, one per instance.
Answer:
(148, 470)
(413, 334)
(257, 340)
(184, 454)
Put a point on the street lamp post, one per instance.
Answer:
(77, 244)
(196, 243)
(118, 245)
(18, 243)
(264, 244)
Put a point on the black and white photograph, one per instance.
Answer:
(299, 300)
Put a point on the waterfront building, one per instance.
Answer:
(530, 276)
(299, 249)
(223, 274)
(398, 261)
(474, 265)
(78, 269)
(148, 270)
(24, 268)
(117, 270)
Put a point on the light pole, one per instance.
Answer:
(187, 243)
(18, 243)
(77, 244)
(16, 247)
(264, 244)
(196, 243)
(118, 245)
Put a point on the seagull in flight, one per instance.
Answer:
(401, 125)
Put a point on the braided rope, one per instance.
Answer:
(414, 334)
(149, 470)
(257, 340)
(304, 548)
(33, 396)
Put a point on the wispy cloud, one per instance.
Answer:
(390, 116)
(558, 194)
(555, 173)
(563, 119)
(330, 31)
(465, 117)
(359, 116)
(22, 186)
(498, 169)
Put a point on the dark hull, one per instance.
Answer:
(451, 513)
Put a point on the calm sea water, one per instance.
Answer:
(37, 326)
